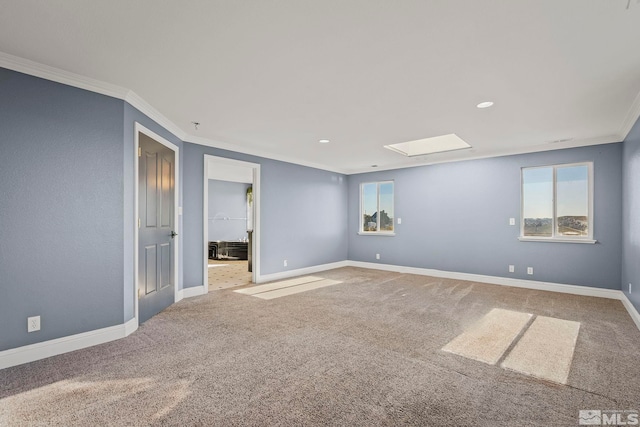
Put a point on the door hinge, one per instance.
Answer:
(138, 222)
(139, 151)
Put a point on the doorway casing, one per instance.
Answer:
(223, 162)
(138, 129)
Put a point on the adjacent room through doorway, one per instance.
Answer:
(230, 223)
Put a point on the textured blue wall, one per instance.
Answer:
(61, 209)
(455, 218)
(631, 215)
(227, 200)
(303, 214)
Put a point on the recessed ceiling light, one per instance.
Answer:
(485, 104)
(436, 144)
(324, 141)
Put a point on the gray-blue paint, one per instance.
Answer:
(631, 215)
(61, 218)
(131, 116)
(455, 218)
(303, 214)
(227, 210)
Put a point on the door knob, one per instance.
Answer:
(173, 234)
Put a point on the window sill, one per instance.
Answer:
(556, 240)
(375, 233)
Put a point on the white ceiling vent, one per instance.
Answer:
(436, 144)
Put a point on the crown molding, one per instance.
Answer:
(136, 101)
(46, 72)
(259, 153)
(632, 117)
(607, 139)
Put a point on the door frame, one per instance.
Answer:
(255, 243)
(138, 129)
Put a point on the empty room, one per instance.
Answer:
(369, 213)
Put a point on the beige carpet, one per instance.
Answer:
(545, 350)
(490, 338)
(364, 353)
(285, 288)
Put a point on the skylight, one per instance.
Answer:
(436, 144)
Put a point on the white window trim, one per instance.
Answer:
(361, 232)
(559, 239)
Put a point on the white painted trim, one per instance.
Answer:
(630, 119)
(53, 74)
(139, 128)
(32, 68)
(194, 291)
(494, 280)
(255, 244)
(259, 153)
(635, 316)
(556, 240)
(302, 271)
(435, 160)
(506, 281)
(147, 109)
(42, 350)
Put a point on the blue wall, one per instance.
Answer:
(227, 203)
(67, 204)
(303, 214)
(455, 218)
(631, 215)
(61, 209)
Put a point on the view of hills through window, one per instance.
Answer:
(571, 203)
(377, 207)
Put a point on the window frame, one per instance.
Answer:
(361, 230)
(555, 238)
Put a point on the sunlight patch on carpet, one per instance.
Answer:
(287, 287)
(488, 339)
(545, 350)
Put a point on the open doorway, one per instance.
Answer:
(231, 223)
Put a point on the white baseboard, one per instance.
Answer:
(193, 291)
(42, 350)
(630, 308)
(301, 271)
(494, 280)
(506, 281)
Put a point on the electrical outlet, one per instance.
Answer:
(377, 256)
(629, 287)
(512, 221)
(530, 270)
(399, 220)
(285, 262)
(33, 324)
(512, 268)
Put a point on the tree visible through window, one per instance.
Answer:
(376, 207)
(556, 201)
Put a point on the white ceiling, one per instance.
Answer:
(274, 77)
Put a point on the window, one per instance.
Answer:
(376, 208)
(557, 203)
